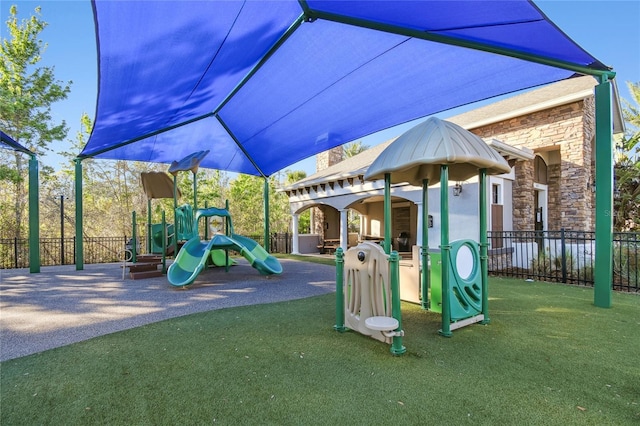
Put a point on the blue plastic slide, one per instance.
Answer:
(192, 257)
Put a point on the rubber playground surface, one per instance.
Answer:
(60, 305)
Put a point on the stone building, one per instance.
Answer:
(547, 135)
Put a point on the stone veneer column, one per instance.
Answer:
(324, 160)
(523, 201)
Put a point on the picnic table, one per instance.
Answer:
(329, 245)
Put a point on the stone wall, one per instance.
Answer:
(568, 129)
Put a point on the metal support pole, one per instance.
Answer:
(603, 274)
(134, 241)
(195, 196)
(339, 326)
(164, 244)
(34, 217)
(79, 219)
(424, 249)
(266, 215)
(62, 229)
(394, 269)
(175, 216)
(445, 249)
(484, 244)
(387, 213)
(149, 228)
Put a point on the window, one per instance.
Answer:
(496, 193)
(539, 170)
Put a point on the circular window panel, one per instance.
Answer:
(464, 262)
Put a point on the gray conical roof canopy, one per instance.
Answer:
(418, 154)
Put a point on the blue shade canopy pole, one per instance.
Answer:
(266, 214)
(603, 273)
(175, 213)
(79, 213)
(34, 201)
(34, 216)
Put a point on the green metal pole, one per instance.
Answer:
(195, 194)
(445, 248)
(339, 291)
(175, 216)
(424, 250)
(164, 244)
(79, 217)
(134, 236)
(266, 214)
(484, 245)
(206, 222)
(34, 216)
(603, 273)
(394, 269)
(148, 225)
(387, 213)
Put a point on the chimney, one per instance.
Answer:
(329, 158)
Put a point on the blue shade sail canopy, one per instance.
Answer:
(264, 84)
(8, 142)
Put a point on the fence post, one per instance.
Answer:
(74, 249)
(563, 248)
(15, 251)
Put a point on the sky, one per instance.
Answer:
(608, 30)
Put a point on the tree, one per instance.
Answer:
(304, 219)
(26, 95)
(354, 148)
(627, 167)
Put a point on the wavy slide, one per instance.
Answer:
(192, 257)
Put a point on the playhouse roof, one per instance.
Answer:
(418, 154)
(264, 84)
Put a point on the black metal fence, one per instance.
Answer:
(560, 256)
(14, 252)
(563, 256)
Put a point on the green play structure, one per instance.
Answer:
(453, 277)
(195, 253)
(160, 238)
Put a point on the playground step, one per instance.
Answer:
(142, 267)
(147, 258)
(145, 274)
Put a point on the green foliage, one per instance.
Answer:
(542, 264)
(304, 222)
(627, 167)
(354, 148)
(625, 261)
(246, 198)
(26, 95)
(28, 91)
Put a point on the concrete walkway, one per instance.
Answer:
(60, 305)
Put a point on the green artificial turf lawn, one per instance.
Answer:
(548, 357)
